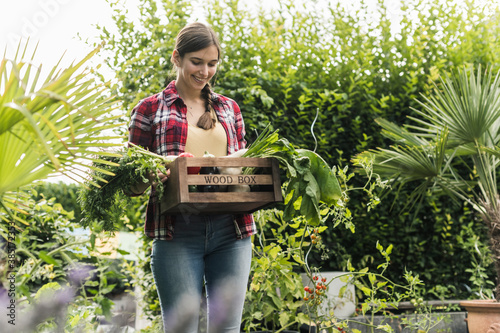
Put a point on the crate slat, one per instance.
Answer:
(230, 197)
(227, 161)
(222, 179)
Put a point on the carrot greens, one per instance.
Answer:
(107, 188)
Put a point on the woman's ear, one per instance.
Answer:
(176, 58)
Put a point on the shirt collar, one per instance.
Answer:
(170, 94)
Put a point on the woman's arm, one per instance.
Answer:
(140, 133)
(239, 125)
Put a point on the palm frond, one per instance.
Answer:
(400, 134)
(458, 125)
(468, 105)
(53, 124)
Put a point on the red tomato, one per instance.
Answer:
(191, 170)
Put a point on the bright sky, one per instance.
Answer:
(55, 24)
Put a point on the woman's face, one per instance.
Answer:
(196, 69)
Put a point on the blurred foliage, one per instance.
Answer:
(65, 194)
(350, 63)
(60, 281)
(53, 122)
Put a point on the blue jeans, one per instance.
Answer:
(204, 249)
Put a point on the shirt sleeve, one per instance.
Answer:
(239, 125)
(140, 127)
(139, 131)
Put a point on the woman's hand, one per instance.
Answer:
(162, 176)
(140, 187)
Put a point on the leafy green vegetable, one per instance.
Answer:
(328, 184)
(312, 182)
(107, 189)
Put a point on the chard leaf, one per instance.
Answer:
(329, 186)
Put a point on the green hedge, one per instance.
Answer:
(351, 65)
(65, 194)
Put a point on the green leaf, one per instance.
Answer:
(277, 301)
(381, 284)
(108, 289)
(92, 283)
(122, 252)
(47, 290)
(93, 238)
(274, 251)
(366, 291)
(342, 291)
(364, 270)
(47, 258)
(284, 318)
(74, 321)
(297, 258)
(106, 306)
(329, 186)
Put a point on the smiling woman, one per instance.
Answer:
(194, 72)
(196, 59)
(206, 250)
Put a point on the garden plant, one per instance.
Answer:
(452, 148)
(49, 125)
(279, 300)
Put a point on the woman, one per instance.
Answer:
(192, 250)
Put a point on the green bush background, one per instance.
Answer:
(349, 65)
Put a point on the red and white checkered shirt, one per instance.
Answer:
(159, 123)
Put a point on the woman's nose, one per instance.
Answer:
(204, 70)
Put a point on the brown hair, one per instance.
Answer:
(194, 37)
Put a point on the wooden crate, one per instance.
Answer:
(179, 200)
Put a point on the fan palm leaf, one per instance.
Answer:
(461, 120)
(414, 159)
(54, 125)
(468, 105)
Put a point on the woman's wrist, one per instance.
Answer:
(139, 188)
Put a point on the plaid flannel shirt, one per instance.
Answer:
(159, 123)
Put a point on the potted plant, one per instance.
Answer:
(456, 137)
